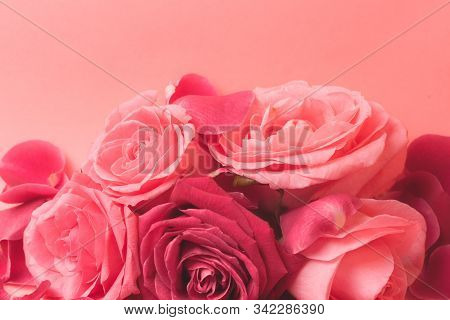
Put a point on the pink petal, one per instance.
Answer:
(5, 261)
(217, 114)
(363, 273)
(314, 280)
(15, 219)
(19, 271)
(302, 227)
(192, 84)
(24, 292)
(27, 192)
(379, 175)
(409, 245)
(33, 161)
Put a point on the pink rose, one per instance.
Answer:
(32, 171)
(204, 244)
(146, 148)
(426, 187)
(354, 249)
(320, 140)
(84, 244)
(138, 156)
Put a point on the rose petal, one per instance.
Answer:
(302, 227)
(27, 192)
(314, 280)
(363, 273)
(33, 161)
(15, 219)
(192, 84)
(217, 114)
(21, 292)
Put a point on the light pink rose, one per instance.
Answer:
(137, 158)
(84, 244)
(32, 172)
(320, 140)
(354, 249)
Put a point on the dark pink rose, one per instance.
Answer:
(203, 244)
(354, 249)
(426, 187)
(32, 172)
(84, 244)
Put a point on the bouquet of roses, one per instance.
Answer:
(295, 191)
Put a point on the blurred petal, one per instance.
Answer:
(431, 153)
(434, 283)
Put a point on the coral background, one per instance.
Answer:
(50, 92)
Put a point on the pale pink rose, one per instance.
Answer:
(138, 156)
(318, 140)
(32, 172)
(84, 244)
(354, 249)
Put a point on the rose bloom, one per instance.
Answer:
(137, 157)
(354, 249)
(32, 173)
(426, 187)
(84, 244)
(321, 140)
(203, 244)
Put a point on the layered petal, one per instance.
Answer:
(204, 244)
(354, 249)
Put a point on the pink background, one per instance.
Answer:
(48, 92)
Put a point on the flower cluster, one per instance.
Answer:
(294, 191)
